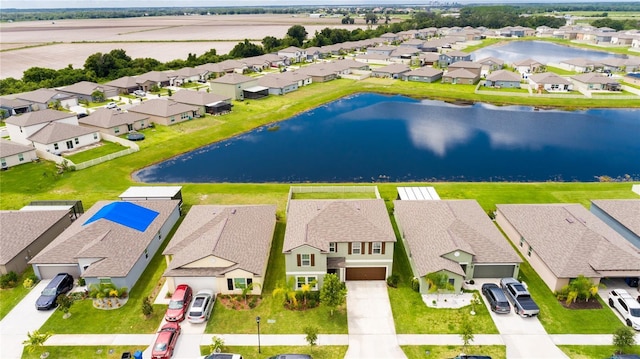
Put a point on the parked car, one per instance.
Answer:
(166, 341)
(61, 284)
(498, 302)
(139, 93)
(523, 304)
(201, 306)
(627, 306)
(81, 115)
(222, 356)
(111, 105)
(291, 356)
(179, 303)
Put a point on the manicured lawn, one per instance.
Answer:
(11, 296)
(86, 352)
(450, 351)
(106, 148)
(560, 71)
(317, 352)
(503, 89)
(592, 351)
(334, 195)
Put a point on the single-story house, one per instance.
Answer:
(13, 154)
(564, 241)
(592, 81)
(549, 81)
(153, 78)
(21, 127)
(428, 58)
(381, 50)
(125, 85)
(84, 90)
(423, 74)
(623, 215)
(232, 85)
(313, 54)
(278, 85)
(42, 98)
(581, 65)
(447, 58)
(186, 75)
(467, 65)
(490, 64)
(353, 239)
(221, 248)
(390, 37)
(373, 59)
(455, 237)
(527, 66)
(393, 71)
(295, 76)
(13, 106)
(165, 112)
(58, 137)
(113, 241)
(206, 102)
(114, 122)
(319, 72)
(293, 54)
(503, 78)
(461, 76)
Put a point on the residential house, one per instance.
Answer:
(414, 43)
(623, 39)
(124, 85)
(549, 81)
(423, 74)
(428, 58)
(215, 70)
(23, 234)
(188, 75)
(503, 78)
(353, 239)
(21, 127)
(206, 102)
(293, 54)
(455, 237)
(621, 215)
(42, 98)
(527, 66)
(263, 62)
(278, 85)
(447, 58)
(113, 241)
(221, 248)
(564, 241)
(295, 76)
(467, 65)
(313, 54)
(580, 65)
(112, 122)
(393, 71)
(595, 82)
(165, 112)
(490, 64)
(13, 154)
(373, 59)
(150, 79)
(233, 85)
(461, 76)
(405, 54)
(389, 37)
(13, 106)
(84, 90)
(381, 50)
(59, 137)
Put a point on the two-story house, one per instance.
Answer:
(351, 238)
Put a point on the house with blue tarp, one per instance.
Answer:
(114, 242)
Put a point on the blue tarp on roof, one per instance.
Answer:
(126, 214)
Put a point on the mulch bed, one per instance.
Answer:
(237, 303)
(580, 304)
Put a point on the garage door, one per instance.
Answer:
(493, 271)
(366, 273)
(48, 272)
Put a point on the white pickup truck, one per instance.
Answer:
(627, 306)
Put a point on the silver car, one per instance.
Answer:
(201, 306)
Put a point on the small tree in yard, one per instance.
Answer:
(333, 293)
(466, 332)
(147, 308)
(623, 339)
(64, 304)
(36, 340)
(217, 344)
(312, 335)
(438, 282)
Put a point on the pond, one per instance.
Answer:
(373, 138)
(543, 52)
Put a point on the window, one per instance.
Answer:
(3, 162)
(146, 253)
(20, 157)
(377, 247)
(333, 247)
(355, 248)
(530, 251)
(76, 141)
(95, 135)
(305, 260)
(185, 116)
(240, 283)
(521, 241)
(116, 130)
(55, 146)
(300, 281)
(172, 119)
(452, 281)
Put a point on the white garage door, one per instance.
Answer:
(198, 283)
(48, 272)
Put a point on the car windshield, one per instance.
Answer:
(635, 312)
(198, 302)
(49, 291)
(161, 346)
(175, 304)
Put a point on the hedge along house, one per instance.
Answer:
(351, 238)
(455, 237)
(221, 248)
(112, 242)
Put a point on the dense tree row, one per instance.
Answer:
(617, 24)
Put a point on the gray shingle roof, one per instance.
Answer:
(461, 73)
(38, 117)
(9, 148)
(233, 78)
(238, 234)
(625, 211)
(19, 229)
(570, 239)
(107, 118)
(43, 95)
(84, 88)
(503, 75)
(393, 69)
(549, 78)
(593, 78)
(57, 131)
(424, 71)
(117, 246)
(433, 229)
(13, 102)
(123, 82)
(198, 98)
(162, 108)
(318, 222)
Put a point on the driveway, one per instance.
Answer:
(22, 319)
(372, 333)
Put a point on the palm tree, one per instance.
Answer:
(287, 291)
(36, 340)
(247, 289)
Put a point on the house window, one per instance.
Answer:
(20, 157)
(3, 162)
(184, 116)
(55, 146)
(95, 135)
(377, 247)
(105, 280)
(452, 281)
(146, 253)
(172, 119)
(521, 241)
(304, 280)
(76, 140)
(305, 260)
(530, 251)
(239, 283)
(333, 247)
(116, 130)
(355, 248)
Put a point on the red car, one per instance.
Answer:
(179, 303)
(166, 341)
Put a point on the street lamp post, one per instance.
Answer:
(258, 322)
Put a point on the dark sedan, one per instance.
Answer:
(498, 302)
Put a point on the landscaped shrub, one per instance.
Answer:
(415, 284)
(392, 280)
(9, 280)
(82, 282)
(27, 283)
(147, 308)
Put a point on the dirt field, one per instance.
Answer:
(72, 41)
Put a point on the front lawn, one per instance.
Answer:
(317, 352)
(10, 297)
(106, 148)
(88, 352)
(592, 351)
(450, 351)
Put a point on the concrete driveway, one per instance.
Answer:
(22, 319)
(372, 333)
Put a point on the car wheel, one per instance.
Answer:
(611, 302)
(628, 322)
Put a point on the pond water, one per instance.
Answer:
(543, 52)
(372, 138)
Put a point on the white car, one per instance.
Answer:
(111, 105)
(201, 306)
(627, 306)
(139, 93)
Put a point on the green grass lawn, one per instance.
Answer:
(450, 351)
(106, 148)
(10, 297)
(86, 352)
(317, 352)
(502, 89)
(592, 351)
(560, 71)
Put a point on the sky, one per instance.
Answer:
(48, 4)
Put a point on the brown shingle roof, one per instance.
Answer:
(9, 148)
(84, 88)
(233, 78)
(38, 117)
(424, 71)
(593, 78)
(239, 234)
(318, 222)
(162, 108)
(625, 211)
(433, 229)
(549, 78)
(42, 95)
(57, 131)
(107, 118)
(123, 82)
(393, 69)
(504, 75)
(197, 98)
